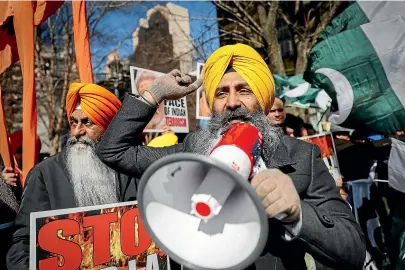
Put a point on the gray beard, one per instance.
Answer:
(7, 196)
(93, 182)
(202, 141)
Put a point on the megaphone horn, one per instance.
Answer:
(201, 210)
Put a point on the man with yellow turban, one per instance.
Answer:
(306, 213)
(74, 177)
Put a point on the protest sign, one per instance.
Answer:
(202, 110)
(328, 151)
(171, 113)
(97, 237)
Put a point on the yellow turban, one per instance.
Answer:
(164, 140)
(99, 104)
(248, 64)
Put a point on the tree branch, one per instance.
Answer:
(247, 15)
(240, 20)
(294, 26)
(325, 20)
(241, 37)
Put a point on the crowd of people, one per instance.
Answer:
(104, 159)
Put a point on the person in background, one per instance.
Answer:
(240, 87)
(278, 116)
(10, 193)
(343, 189)
(293, 125)
(168, 138)
(74, 177)
(203, 106)
(307, 130)
(277, 113)
(355, 159)
(9, 174)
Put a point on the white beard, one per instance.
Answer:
(93, 182)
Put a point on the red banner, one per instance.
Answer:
(96, 237)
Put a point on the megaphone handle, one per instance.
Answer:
(280, 216)
(213, 192)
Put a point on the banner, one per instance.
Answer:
(171, 113)
(328, 151)
(202, 109)
(97, 237)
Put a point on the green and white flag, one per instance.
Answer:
(363, 12)
(363, 71)
(300, 93)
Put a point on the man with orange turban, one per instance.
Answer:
(305, 211)
(74, 177)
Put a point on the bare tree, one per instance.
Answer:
(253, 23)
(257, 23)
(11, 83)
(307, 20)
(55, 67)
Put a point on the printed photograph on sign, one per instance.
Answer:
(171, 114)
(96, 237)
(328, 152)
(202, 109)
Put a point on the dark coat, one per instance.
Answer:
(329, 231)
(48, 188)
(7, 215)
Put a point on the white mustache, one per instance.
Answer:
(81, 139)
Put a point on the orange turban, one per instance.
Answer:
(99, 104)
(16, 141)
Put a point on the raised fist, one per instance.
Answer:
(172, 86)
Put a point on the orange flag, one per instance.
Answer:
(24, 33)
(8, 46)
(4, 143)
(44, 9)
(82, 44)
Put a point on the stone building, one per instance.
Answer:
(162, 43)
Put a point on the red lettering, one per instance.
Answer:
(128, 242)
(101, 235)
(176, 122)
(48, 240)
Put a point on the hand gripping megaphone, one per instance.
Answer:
(201, 210)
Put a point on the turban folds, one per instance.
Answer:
(248, 64)
(99, 104)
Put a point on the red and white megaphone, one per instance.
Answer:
(202, 210)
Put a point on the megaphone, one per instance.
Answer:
(201, 210)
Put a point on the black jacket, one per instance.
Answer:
(48, 188)
(329, 231)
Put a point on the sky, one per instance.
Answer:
(119, 25)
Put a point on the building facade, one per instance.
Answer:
(162, 42)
